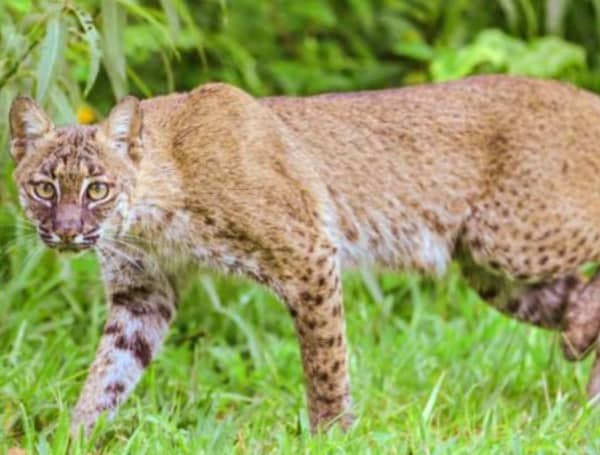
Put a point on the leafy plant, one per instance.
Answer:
(496, 52)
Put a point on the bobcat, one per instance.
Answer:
(499, 173)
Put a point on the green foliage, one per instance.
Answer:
(494, 51)
(230, 377)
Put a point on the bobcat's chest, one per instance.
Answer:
(176, 240)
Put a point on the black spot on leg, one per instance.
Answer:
(164, 311)
(513, 306)
(115, 388)
(318, 300)
(141, 349)
(120, 298)
(305, 296)
(488, 294)
(572, 260)
(327, 400)
(335, 312)
(112, 328)
(129, 296)
(335, 367)
(571, 281)
(141, 300)
(138, 346)
(321, 261)
(121, 342)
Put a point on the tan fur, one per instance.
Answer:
(500, 173)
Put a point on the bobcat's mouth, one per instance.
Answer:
(73, 245)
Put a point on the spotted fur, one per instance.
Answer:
(497, 172)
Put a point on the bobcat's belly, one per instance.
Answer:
(375, 237)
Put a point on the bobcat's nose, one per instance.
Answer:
(67, 235)
(67, 223)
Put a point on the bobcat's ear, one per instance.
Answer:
(123, 128)
(27, 122)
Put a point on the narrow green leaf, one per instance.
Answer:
(92, 39)
(170, 10)
(510, 10)
(596, 4)
(555, 16)
(113, 58)
(416, 50)
(142, 13)
(63, 112)
(51, 52)
(139, 82)
(530, 17)
(22, 6)
(428, 411)
(188, 20)
(168, 72)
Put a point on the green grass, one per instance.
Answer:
(434, 370)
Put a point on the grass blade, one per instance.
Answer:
(426, 415)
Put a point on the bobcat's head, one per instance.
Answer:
(75, 183)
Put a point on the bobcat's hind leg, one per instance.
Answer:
(568, 304)
(582, 327)
(571, 305)
(542, 304)
(581, 324)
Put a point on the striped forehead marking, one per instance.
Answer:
(74, 154)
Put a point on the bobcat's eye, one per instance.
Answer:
(97, 191)
(44, 190)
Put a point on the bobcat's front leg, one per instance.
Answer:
(141, 305)
(313, 294)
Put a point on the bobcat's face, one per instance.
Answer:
(75, 183)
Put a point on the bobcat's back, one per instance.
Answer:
(407, 170)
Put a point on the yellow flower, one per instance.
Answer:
(86, 115)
